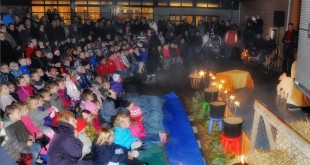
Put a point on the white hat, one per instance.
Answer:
(116, 77)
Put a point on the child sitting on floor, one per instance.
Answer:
(122, 135)
(5, 97)
(117, 85)
(19, 139)
(107, 152)
(24, 90)
(80, 128)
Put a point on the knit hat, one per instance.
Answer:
(115, 76)
(80, 124)
(90, 106)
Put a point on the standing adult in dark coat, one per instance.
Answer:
(289, 40)
(66, 148)
(7, 52)
(153, 56)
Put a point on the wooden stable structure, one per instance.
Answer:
(297, 146)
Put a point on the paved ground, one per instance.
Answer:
(176, 79)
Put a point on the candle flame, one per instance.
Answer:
(237, 103)
(214, 84)
(213, 77)
(220, 86)
(225, 91)
(242, 159)
(232, 97)
(210, 74)
(222, 81)
(201, 73)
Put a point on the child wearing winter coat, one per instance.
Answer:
(54, 98)
(117, 85)
(108, 112)
(62, 93)
(24, 90)
(31, 127)
(90, 114)
(36, 80)
(5, 75)
(14, 69)
(19, 139)
(80, 128)
(40, 117)
(81, 78)
(5, 97)
(122, 135)
(11, 87)
(107, 152)
(23, 66)
(166, 56)
(72, 90)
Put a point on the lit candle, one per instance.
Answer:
(222, 81)
(231, 98)
(237, 104)
(242, 161)
(201, 73)
(226, 94)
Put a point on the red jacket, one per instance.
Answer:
(111, 66)
(65, 99)
(103, 69)
(29, 52)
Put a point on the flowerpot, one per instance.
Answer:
(217, 109)
(211, 94)
(233, 126)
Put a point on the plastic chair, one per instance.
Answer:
(231, 144)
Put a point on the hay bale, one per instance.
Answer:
(265, 157)
(283, 143)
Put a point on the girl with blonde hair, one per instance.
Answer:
(5, 97)
(106, 152)
(122, 135)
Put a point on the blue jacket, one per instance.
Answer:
(82, 81)
(108, 110)
(65, 148)
(5, 77)
(7, 19)
(123, 137)
(24, 69)
(103, 154)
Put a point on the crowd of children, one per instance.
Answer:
(62, 93)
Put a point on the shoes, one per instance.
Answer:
(135, 153)
(164, 137)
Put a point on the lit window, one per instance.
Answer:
(63, 2)
(106, 2)
(123, 2)
(93, 2)
(135, 2)
(50, 2)
(162, 2)
(36, 9)
(187, 4)
(202, 5)
(147, 2)
(213, 5)
(37, 1)
(64, 9)
(79, 2)
(175, 3)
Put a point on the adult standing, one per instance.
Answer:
(290, 42)
(153, 55)
(7, 52)
(230, 40)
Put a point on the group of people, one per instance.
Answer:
(61, 91)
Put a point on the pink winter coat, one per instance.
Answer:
(30, 126)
